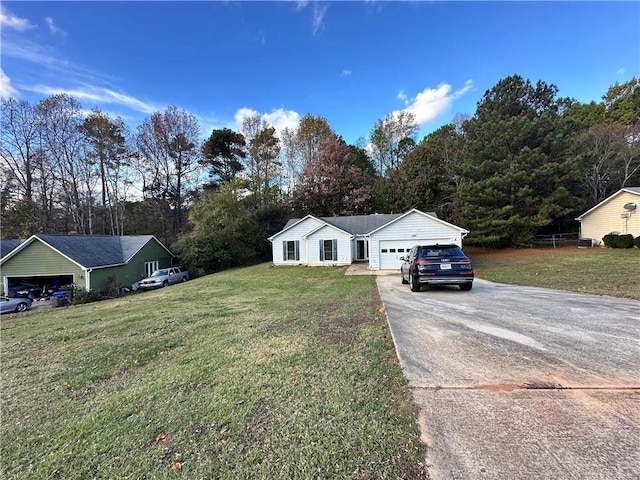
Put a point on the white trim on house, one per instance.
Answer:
(382, 247)
(610, 216)
(632, 190)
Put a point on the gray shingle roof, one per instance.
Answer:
(361, 224)
(633, 189)
(358, 224)
(7, 245)
(93, 251)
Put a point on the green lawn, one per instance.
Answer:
(259, 372)
(598, 271)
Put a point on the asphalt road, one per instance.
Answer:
(520, 383)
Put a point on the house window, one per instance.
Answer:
(150, 267)
(291, 250)
(328, 250)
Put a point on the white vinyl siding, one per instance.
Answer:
(412, 229)
(340, 247)
(295, 233)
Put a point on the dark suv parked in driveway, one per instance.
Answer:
(437, 265)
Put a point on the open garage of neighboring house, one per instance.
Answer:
(38, 286)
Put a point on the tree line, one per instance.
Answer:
(527, 161)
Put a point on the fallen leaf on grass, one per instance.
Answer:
(176, 467)
(160, 437)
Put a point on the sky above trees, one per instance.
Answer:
(349, 62)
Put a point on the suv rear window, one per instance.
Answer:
(427, 252)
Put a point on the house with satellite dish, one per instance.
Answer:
(618, 213)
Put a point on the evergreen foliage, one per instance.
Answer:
(518, 164)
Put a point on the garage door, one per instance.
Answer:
(392, 250)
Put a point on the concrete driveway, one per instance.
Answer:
(520, 383)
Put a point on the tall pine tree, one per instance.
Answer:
(519, 164)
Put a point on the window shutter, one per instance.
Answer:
(335, 250)
(297, 255)
(321, 250)
(284, 250)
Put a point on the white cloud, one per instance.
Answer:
(6, 89)
(430, 103)
(98, 95)
(621, 71)
(279, 118)
(243, 113)
(345, 73)
(403, 97)
(319, 11)
(282, 119)
(53, 28)
(9, 20)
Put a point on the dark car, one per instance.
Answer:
(437, 265)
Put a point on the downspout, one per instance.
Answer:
(87, 280)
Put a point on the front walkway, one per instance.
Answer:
(362, 268)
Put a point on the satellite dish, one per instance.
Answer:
(630, 207)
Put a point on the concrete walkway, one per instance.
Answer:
(362, 268)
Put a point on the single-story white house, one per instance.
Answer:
(618, 213)
(379, 239)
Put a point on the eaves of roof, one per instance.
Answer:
(633, 190)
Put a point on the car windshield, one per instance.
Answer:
(159, 273)
(441, 252)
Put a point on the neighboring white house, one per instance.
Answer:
(377, 239)
(618, 213)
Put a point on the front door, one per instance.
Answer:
(362, 250)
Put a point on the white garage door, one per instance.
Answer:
(392, 250)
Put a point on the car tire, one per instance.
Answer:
(21, 307)
(165, 283)
(466, 286)
(404, 282)
(415, 286)
(184, 279)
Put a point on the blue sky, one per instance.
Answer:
(350, 62)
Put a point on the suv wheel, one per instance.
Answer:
(415, 286)
(404, 282)
(466, 286)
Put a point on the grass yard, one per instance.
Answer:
(256, 373)
(598, 271)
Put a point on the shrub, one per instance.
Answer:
(80, 296)
(625, 241)
(613, 240)
(610, 240)
(637, 241)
